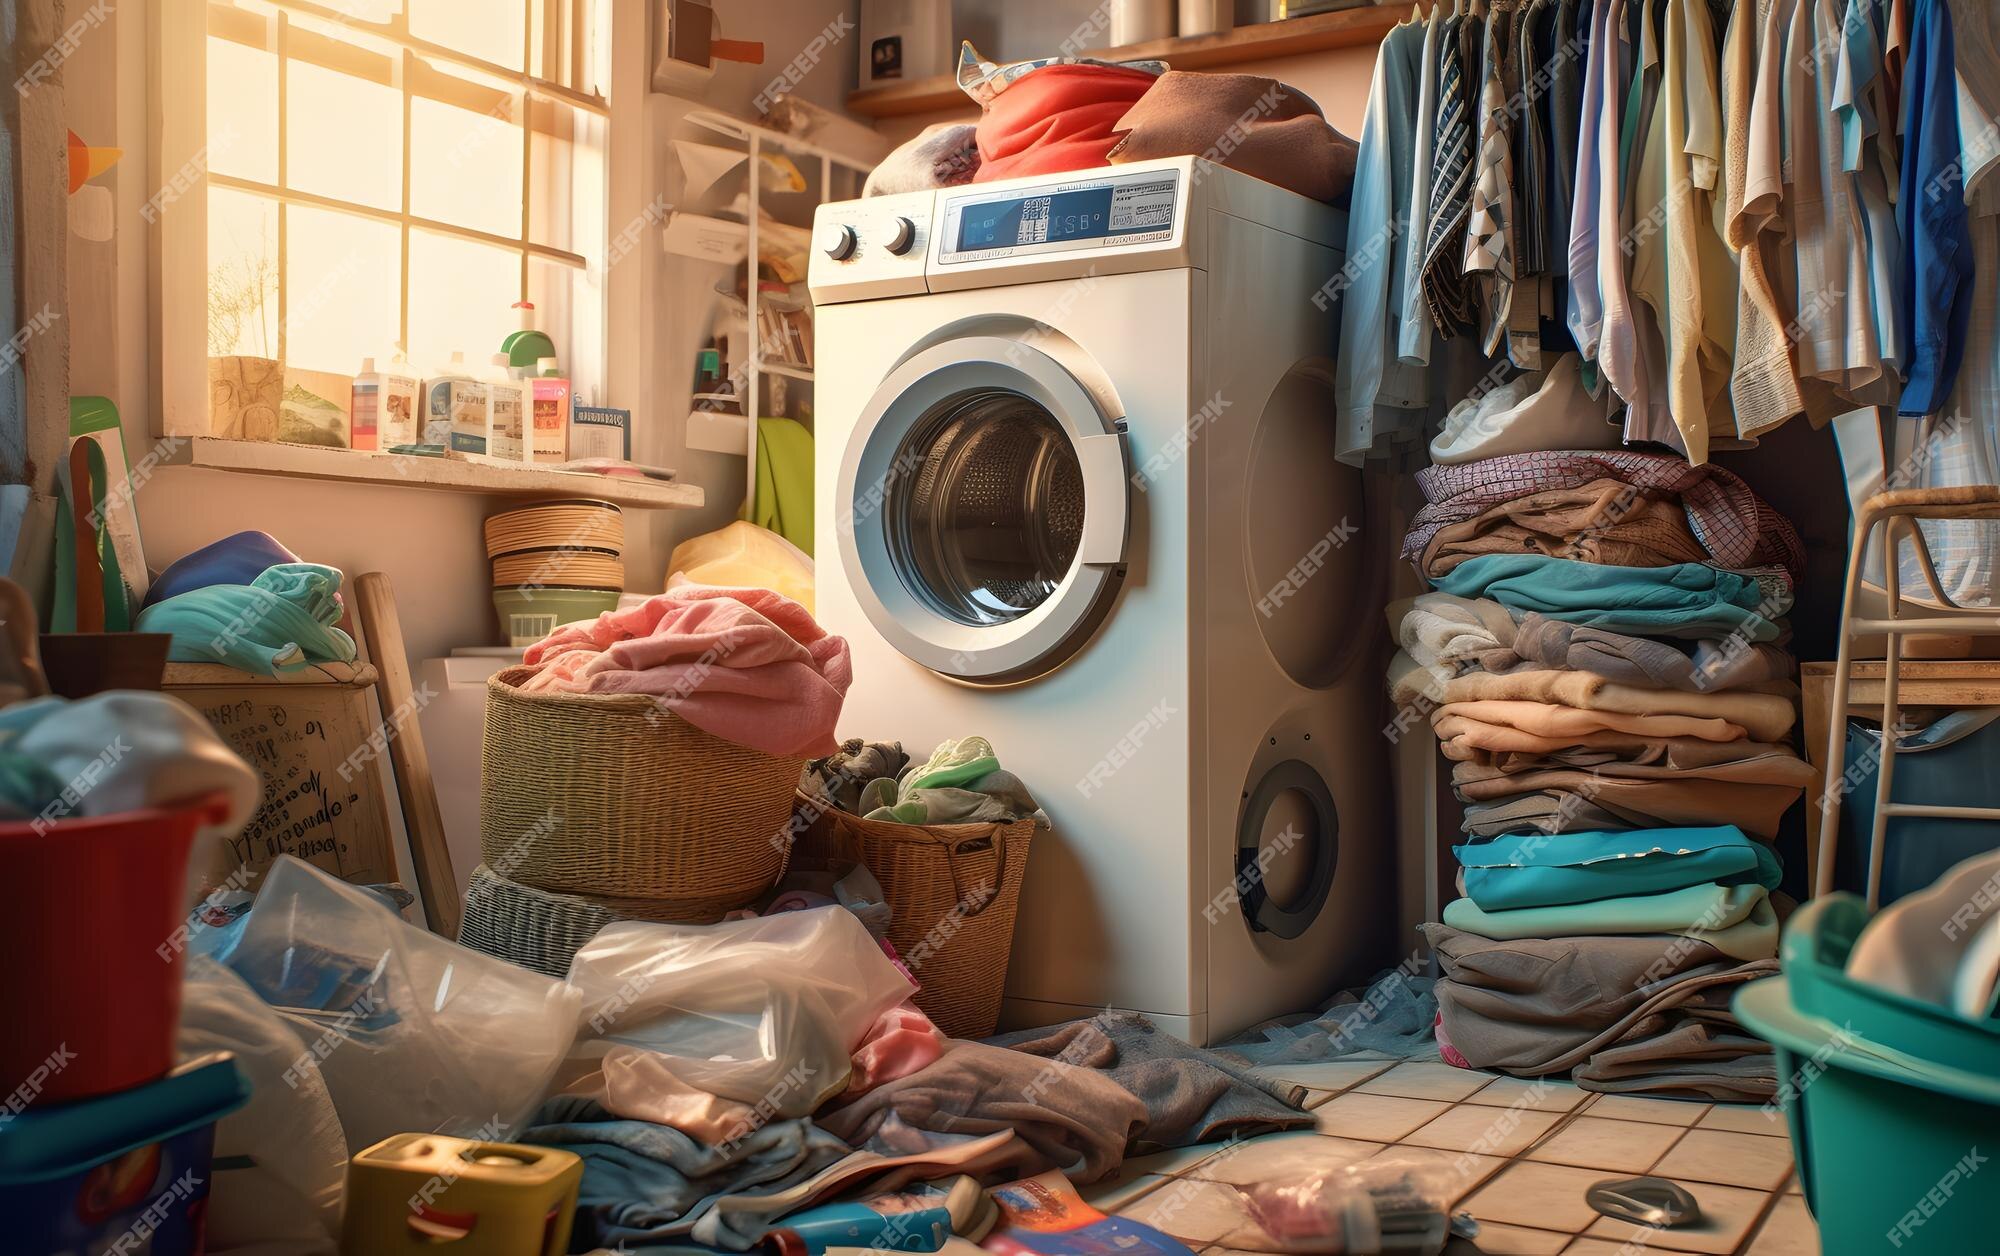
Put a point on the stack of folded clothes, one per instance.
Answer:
(1603, 664)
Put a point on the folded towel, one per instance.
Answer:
(280, 622)
(1547, 871)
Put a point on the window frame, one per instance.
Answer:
(177, 213)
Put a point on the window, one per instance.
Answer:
(381, 173)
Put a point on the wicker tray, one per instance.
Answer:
(541, 930)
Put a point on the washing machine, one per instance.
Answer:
(1077, 494)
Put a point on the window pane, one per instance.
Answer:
(566, 203)
(461, 299)
(569, 306)
(465, 167)
(341, 300)
(492, 30)
(242, 274)
(344, 136)
(242, 111)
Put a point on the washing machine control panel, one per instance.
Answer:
(871, 248)
(1081, 212)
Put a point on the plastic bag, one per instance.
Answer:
(765, 1011)
(1385, 1206)
(281, 1159)
(413, 1033)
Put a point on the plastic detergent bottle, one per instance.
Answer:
(454, 413)
(385, 405)
(527, 346)
(549, 437)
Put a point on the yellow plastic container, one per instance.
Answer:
(436, 1194)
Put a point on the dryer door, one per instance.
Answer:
(983, 511)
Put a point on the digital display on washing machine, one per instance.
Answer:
(1119, 211)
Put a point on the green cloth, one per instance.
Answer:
(1682, 600)
(783, 501)
(961, 783)
(1735, 919)
(952, 763)
(1538, 870)
(279, 622)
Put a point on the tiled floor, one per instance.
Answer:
(1521, 1154)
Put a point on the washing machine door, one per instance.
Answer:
(983, 510)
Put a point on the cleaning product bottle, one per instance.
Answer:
(385, 405)
(550, 435)
(507, 402)
(455, 416)
(527, 346)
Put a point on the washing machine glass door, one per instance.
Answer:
(984, 510)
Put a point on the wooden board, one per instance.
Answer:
(308, 736)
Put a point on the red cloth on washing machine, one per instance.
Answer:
(1058, 118)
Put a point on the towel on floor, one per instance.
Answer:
(1684, 600)
(1765, 716)
(1257, 125)
(281, 621)
(748, 665)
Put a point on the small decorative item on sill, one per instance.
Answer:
(244, 394)
(317, 409)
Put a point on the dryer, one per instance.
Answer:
(1076, 492)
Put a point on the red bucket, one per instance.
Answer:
(93, 937)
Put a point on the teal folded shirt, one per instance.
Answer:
(1736, 919)
(1683, 600)
(1541, 870)
(279, 622)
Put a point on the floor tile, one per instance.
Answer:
(1792, 1185)
(1489, 1131)
(1514, 1240)
(1750, 1160)
(1590, 1142)
(1374, 1118)
(1727, 1213)
(1539, 1094)
(1114, 1193)
(1260, 1159)
(1746, 1118)
(1788, 1231)
(1334, 1075)
(1605, 1247)
(1195, 1211)
(1658, 1111)
(1468, 1170)
(1539, 1196)
(1427, 1081)
(1176, 1161)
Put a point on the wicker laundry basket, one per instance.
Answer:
(952, 890)
(613, 795)
(543, 930)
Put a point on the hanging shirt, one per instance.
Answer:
(1585, 313)
(1562, 60)
(1871, 167)
(1377, 398)
(1489, 239)
(1976, 53)
(1937, 247)
(1630, 271)
(1413, 338)
(1445, 289)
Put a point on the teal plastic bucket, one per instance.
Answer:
(1893, 1105)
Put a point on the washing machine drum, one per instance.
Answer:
(984, 510)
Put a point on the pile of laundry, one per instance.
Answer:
(1603, 664)
(1055, 114)
(249, 602)
(961, 782)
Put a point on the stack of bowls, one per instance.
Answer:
(555, 563)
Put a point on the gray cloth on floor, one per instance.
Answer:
(1544, 811)
(1539, 1006)
(1393, 1017)
(1191, 1095)
(649, 1183)
(1069, 1118)
(1642, 661)
(1691, 1060)
(942, 155)
(841, 777)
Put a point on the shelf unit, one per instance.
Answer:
(715, 429)
(358, 466)
(1347, 28)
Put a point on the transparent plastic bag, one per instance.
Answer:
(413, 1033)
(1383, 1206)
(281, 1159)
(764, 1011)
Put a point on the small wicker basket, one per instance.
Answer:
(614, 795)
(542, 930)
(952, 889)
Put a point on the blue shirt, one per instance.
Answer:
(1936, 274)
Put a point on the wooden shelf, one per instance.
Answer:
(353, 466)
(221, 675)
(1348, 28)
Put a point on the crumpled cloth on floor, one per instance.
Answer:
(280, 622)
(1765, 715)
(1737, 920)
(1685, 600)
(644, 1182)
(1599, 522)
(1191, 1095)
(1256, 125)
(634, 1084)
(1392, 1017)
(748, 665)
(902, 1041)
(942, 155)
(1056, 119)
(1536, 1007)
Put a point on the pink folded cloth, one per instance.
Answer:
(748, 665)
(901, 1041)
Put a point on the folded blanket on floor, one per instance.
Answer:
(1056, 119)
(1734, 919)
(1542, 1006)
(1684, 600)
(648, 1183)
(280, 622)
(1764, 716)
(1257, 125)
(748, 665)
(1602, 521)
(1559, 723)
(1542, 871)
(1191, 1095)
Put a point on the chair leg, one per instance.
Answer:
(1885, 771)
(1831, 790)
